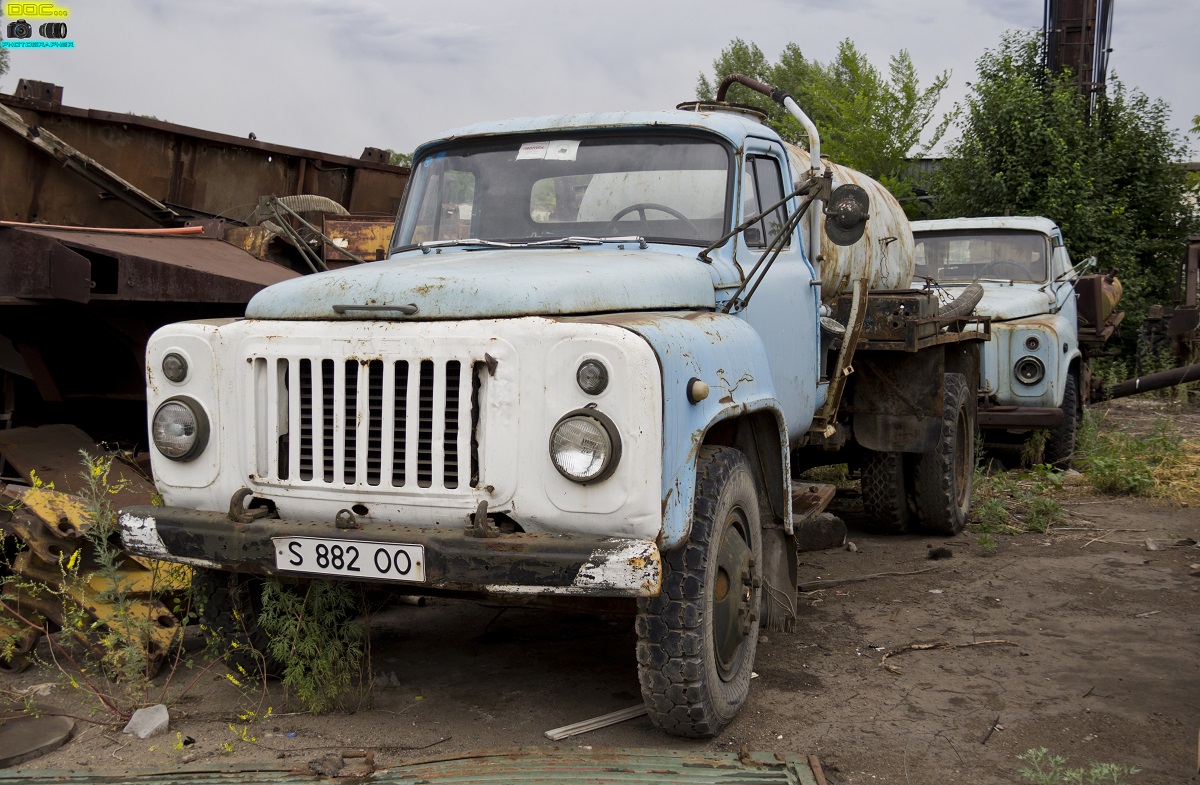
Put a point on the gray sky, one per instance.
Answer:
(340, 75)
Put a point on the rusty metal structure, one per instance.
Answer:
(1174, 330)
(112, 225)
(1077, 34)
(78, 301)
(193, 173)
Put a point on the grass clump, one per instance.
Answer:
(1156, 463)
(1011, 503)
(1044, 768)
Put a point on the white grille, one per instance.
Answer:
(352, 422)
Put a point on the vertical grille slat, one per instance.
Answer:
(425, 426)
(349, 422)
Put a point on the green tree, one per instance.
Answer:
(399, 159)
(1110, 180)
(868, 121)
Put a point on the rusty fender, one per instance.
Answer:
(726, 353)
(521, 563)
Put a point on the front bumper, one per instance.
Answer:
(523, 563)
(1020, 417)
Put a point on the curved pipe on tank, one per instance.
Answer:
(782, 98)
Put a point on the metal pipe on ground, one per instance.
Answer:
(1152, 381)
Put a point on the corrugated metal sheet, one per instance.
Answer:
(546, 767)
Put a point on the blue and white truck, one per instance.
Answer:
(599, 351)
(1046, 317)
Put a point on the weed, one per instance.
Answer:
(1126, 464)
(1045, 769)
(837, 474)
(312, 633)
(1047, 477)
(1033, 451)
(987, 544)
(991, 516)
(1043, 512)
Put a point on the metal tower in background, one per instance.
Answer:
(1077, 37)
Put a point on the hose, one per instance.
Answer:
(962, 306)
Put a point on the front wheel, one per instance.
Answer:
(697, 638)
(1060, 446)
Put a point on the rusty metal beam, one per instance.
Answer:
(90, 170)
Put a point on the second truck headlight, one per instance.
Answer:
(1029, 370)
(585, 446)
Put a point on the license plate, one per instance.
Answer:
(382, 561)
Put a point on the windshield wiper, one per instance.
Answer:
(430, 245)
(552, 242)
(576, 240)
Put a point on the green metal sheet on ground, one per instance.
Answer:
(559, 766)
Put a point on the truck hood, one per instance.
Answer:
(463, 284)
(1003, 302)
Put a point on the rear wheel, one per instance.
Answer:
(1060, 445)
(697, 638)
(885, 500)
(942, 477)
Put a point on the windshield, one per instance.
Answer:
(949, 257)
(667, 188)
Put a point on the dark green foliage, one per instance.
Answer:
(1110, 181)
(313, 635)
(868, 121)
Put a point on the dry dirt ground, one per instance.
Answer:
(1100, 663)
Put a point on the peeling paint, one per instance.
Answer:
(140, 536)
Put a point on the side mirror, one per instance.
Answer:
(846, 214)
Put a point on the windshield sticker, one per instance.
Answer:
(564, 150)
(532, 151)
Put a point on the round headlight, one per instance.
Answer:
(179, 429)
(175, 367)
(584, 446)
(1029, 370)
(592, 377)
(1032, 343)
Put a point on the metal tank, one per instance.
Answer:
(885, 253)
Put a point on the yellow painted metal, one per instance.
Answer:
(59, 569)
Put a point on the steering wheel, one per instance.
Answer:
(641, 209)
(1004, 268)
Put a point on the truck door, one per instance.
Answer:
(784, 309)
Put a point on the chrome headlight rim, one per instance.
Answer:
(199, 443)
(614, 438)
(1032, 362)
